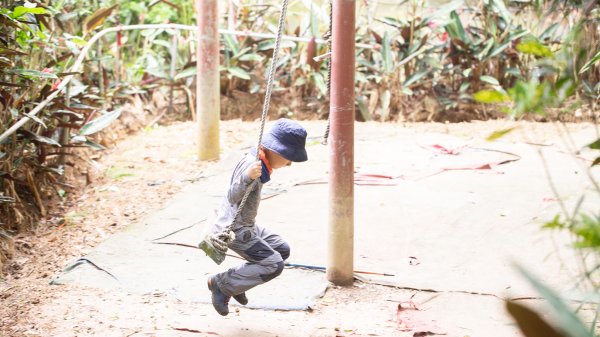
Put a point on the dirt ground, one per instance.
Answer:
(137, 177)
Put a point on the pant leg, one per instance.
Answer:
(275, 241)
(264, 262)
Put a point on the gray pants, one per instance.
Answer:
(265, 253)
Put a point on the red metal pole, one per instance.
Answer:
(341, 174)
(208, 104)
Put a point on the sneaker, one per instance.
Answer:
(241, 298)
(219, 300)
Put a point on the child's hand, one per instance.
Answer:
(255, 170)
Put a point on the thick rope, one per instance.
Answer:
(265, 110)
(329, 39)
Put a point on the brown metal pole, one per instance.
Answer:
(208, 105)
(341, 173)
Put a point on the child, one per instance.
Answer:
(264, 251)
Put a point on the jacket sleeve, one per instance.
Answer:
(239, 182)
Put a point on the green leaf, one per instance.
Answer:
(78, 139)
(415, 77)
(589, 64)
(484, 52)
(502, 10)
(94, 145)
(232, 43)
(596, 162)
(595, 145)
(21, 10)
(162, 43)
(251, 57)
(320, 83)
(188, 72)
(38, 139)
(314, 20)
(499, 134)
(118, 173)
(456, 30)
(35, 119)
(300, 81)
(489, 79)
(238, 72)
(28, 73)
(555, 223)
(549, 32)
(566, 319)
(533, 47)
(99, 123)
(587, 231)
(241, 53)
(270, 44)
(490, 96)
(363, 107)
(386, 54)
(530, 323)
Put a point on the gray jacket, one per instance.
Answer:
(237, 188)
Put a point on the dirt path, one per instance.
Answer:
(135, 179)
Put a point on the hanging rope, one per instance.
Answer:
(265, 110)
(328, 38)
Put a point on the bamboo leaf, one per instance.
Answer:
(530, 323)
(8, 51)
(499, 134)
(37, 138)
(270, 44)
(549, 32)
(231, 42)
(363, 107)
(589, 64)
(251, 57)
(99, 123)
(320, 83)
(489, 79)
(238, 72)
(490, 96)
(97, 18)
(415, 77)
(21, 10)
(6, 84)
(533, 47)
(31, 73)
(94, 145)
(162, 43)
(504, 13)
(595, 145)
(566, 319)
(189, 72)
(386, 54)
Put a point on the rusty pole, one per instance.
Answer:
(208, 105)
(341, 177)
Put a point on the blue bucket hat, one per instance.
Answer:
(287, 138)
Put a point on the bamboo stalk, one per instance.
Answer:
(36, 193)
(174, 39)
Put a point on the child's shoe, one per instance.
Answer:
(219, 300)
(241, 298)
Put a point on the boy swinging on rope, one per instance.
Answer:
(264, 251)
